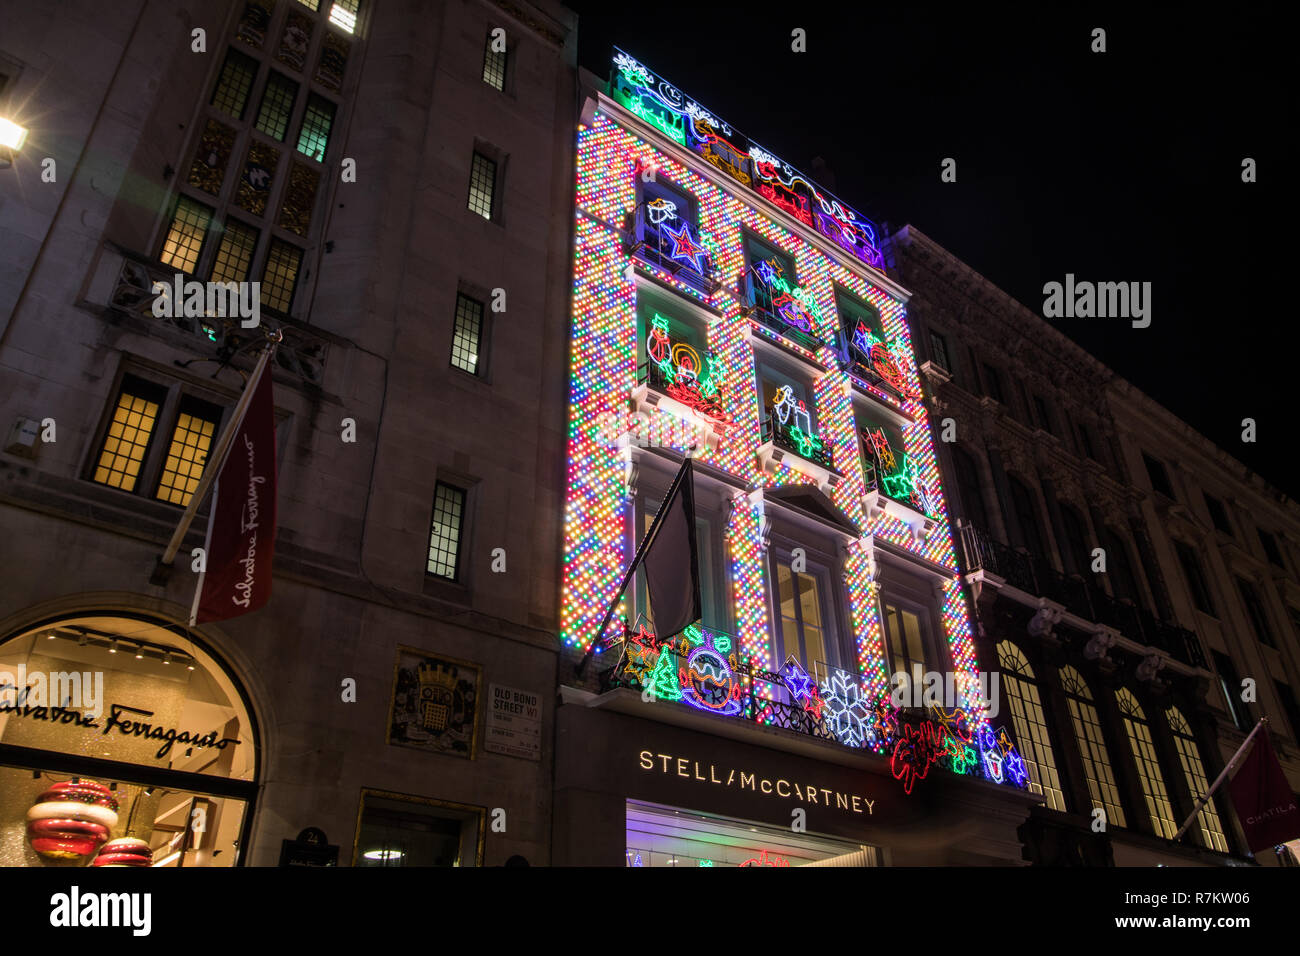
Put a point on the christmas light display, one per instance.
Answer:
(847, 713)
(688, 124)
(682, 375)
(716, 378)
(766, 859)
(709, 681)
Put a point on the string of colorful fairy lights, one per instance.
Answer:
(611, 159)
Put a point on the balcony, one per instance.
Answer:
(798, 448)
(779, 312)
(884, 496)
(664, 240)
(123, 286)
(683, 393)
(1032, 575)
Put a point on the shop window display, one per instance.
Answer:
(122, 743)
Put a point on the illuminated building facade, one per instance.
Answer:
(726, 307)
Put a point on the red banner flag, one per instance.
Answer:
(1263, 798)
(241, 527)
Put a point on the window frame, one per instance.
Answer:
(480, 371)
(1194, 576)
(172, 393)
(1093, 749)
(1027, 725)
(494, 158)
(461, 537)
(488, 53)
(945, 362)
(1146, 759)
(780, 553)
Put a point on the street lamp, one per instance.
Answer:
(12, 137)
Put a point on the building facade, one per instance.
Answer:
(727, 308)
(1128, 577)
(397, 178)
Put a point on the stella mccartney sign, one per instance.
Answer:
(723, 776)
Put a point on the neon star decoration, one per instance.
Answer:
(685, 249)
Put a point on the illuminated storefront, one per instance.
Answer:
(122, 742)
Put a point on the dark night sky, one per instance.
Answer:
(1122, 166)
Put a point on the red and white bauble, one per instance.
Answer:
(127, 851)
(71, 820)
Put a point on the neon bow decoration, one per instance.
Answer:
(686, 377)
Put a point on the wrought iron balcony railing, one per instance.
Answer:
(780, 318)
(788, 436)
(663, 239)
(1033, 575)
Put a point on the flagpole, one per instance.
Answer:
(217, 459)
(1218, 780)
(631, 568)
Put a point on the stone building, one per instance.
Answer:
(397, 176)
(1126, 684)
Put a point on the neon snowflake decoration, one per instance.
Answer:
(847, 714)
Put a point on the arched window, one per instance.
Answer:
(1027, 715)
(1190, 757)
(1023, 504)
(1092, 746)
(968, 488)
(1144, 754)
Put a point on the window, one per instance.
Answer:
(235, 254)
(313, 137)
(482, 185)
(1271, 549)
(800, 618)
(1218, 514)
(196, 429)
(771, 383)
(1076, 555)
(1044, 415)
(277, 106)
(1092, 747)
(234, 83)
(129, 432)
(186, 235)
(1195, 578)
(1085, 441)
(1026, 510)
(280, 277)
(968, 487)
(1030, 722)
(905, 640)
(465, 337)
(494, 64)
(939, 351)
(1158, 475)
(1286, 697)
(1118, 569)
(1197, 784)
(1230, 687)
(343, 14)
(1148, 766)
(666, 233)
(445, 531)
(993, 383)
(126, 458)
(713, 614)
(1255, 609)
(756, 251)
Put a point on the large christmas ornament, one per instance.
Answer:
(71, 820)
(127, 851)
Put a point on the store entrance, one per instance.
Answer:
(670, 836)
